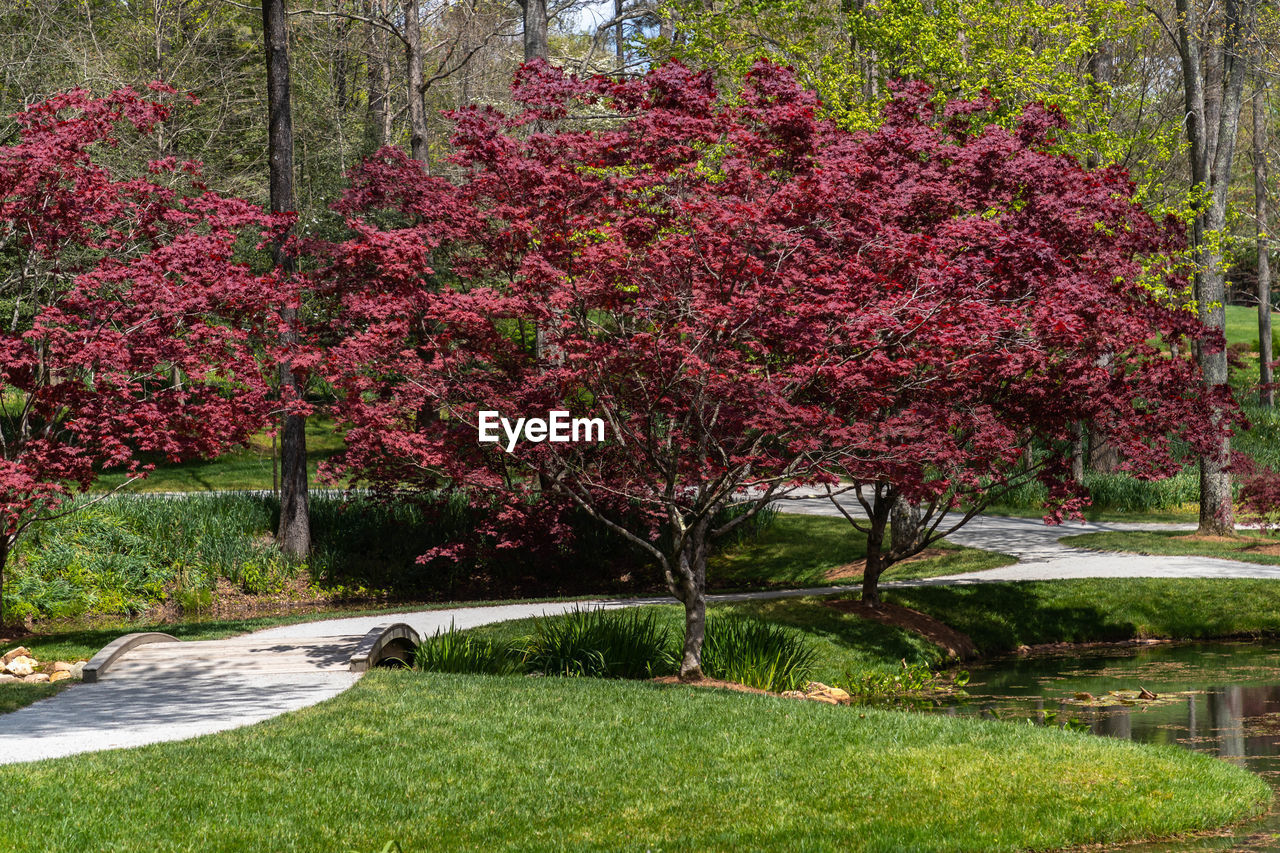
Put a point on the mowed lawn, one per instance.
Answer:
(491, 763)
(249, 468)
(1248, 546)
(805, 550)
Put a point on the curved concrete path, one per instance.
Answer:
(124, 712)
(1042, 557)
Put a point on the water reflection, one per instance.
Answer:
(1221, 698)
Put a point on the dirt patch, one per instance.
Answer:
(713, 682)
(954, 643)
(852, 571)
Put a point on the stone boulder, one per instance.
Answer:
(36, 678)
(819, 692)
(20, 651)
(816, 691)
(59, 675)
(21, 666)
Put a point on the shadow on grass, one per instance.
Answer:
(1002, 616)
(845, 640)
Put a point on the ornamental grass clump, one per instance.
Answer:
(600, 643)
(459, 652)
(757, 654)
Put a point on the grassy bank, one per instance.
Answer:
(1000, 617)
(1246, 546)
(804, 550)
(844, 644)
(516, 763)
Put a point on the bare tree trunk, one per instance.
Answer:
(294, 532)
(689, 573)
(695, 631)
(1212, 149)
(417, 109)
(4, 563)
(1266, 395)
(378, 132)
(619, 48)
(535, 30)
(1103, 455)
(1077, 452)
(905, 520)
(876, 564)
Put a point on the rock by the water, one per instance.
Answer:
(36, 678)
(59, 675)
(4, 676)
(77, 669)
(819, 692)
(61, 666)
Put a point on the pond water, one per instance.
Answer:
(1219, 698)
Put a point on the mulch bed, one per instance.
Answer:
(713, 682)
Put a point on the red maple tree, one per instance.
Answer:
(133, 329)
(750, 298)
(1004, 294)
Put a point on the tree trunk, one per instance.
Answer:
(378, 130)
(695, 631)
(4, 563)
(1266, 395)
(618, 45)
(417, 109)
(905, 520)
(875, 554)
(1212, 149)
(1077, 452)
(1103, 455)
(294, 532)
(689, 573)
(535, 30)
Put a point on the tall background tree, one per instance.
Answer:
(294, 532)
(1213, 47)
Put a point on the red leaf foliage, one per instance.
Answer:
(751, 298)
(141, 338)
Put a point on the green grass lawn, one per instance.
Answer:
(1242, 325)
(249, 468)
(800, 551)
(15, 696)
(843, 642)
(491, 763)
(1247, 546)
(999, 617)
